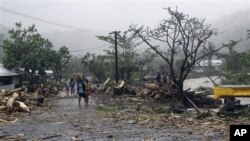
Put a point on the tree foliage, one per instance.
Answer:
(59, 60)
(129, 58)
(235, 69)
(26, 48)
(74, 66)
(97, 65)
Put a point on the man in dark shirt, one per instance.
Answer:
(81, 91)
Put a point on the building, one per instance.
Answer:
(8, 79)
(215, 65)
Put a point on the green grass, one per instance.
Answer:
(245, 113)
(203, 115)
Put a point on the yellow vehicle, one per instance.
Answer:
(229, 92)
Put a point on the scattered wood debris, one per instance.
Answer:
(20, 100)
(201, 98)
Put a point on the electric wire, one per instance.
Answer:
(39, 19)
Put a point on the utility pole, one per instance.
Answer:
(116, 56)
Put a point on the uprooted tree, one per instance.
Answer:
(180, 38)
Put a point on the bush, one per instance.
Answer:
(203, 115)
(245, 112)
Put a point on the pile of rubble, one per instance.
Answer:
(109, 86)
(201, 98)
(16, 99)
(23, 101)
(166, 92)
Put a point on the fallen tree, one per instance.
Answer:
(20, 99)
(11, 100)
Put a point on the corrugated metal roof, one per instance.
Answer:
(5, 72)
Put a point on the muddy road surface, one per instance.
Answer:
(64, 121)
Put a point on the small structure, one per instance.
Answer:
(8, 79)
(215, 65)
(49, 74)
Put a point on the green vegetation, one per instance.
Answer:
(235, 69)
(26, 48)
(245, 112)
(203, 115)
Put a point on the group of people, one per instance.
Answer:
(161, 78)
(78, 86)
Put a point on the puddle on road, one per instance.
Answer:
(57, 123)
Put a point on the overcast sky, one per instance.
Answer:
(108, 15)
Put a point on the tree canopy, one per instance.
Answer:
(128, 59)
(26, 48)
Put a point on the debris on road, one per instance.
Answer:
(19, 100)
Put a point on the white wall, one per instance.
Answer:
(8, 87)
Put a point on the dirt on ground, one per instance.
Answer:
(113, 118)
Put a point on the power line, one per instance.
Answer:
(38, 19)
(88, 49)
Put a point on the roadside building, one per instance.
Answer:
(8, 79)
(215, 65)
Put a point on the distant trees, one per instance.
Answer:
(102, 66)
(59, 60)
(248, 34)
(129, 57)
(179, 39)
(97, 65)
(210, 47)
(1, 47)
(74, 67)
(235, 69)
(26, 48)
(131, 60)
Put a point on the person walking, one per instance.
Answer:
(158, 78)
(67, 85)
(88, 90)
(81, 91)
(72, 86)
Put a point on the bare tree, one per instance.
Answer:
(182, 38)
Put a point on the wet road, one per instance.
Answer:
(64, 121)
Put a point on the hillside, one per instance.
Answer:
(233, 27)
(85, 41)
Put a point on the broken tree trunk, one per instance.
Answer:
(3, 108)
(22, 106)
(15, 90)
(11, 100)
(117, 90)
(197, 109)
(3, 93)
(144, 93)
(105, 85)
(121, 84)
(151, 86)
